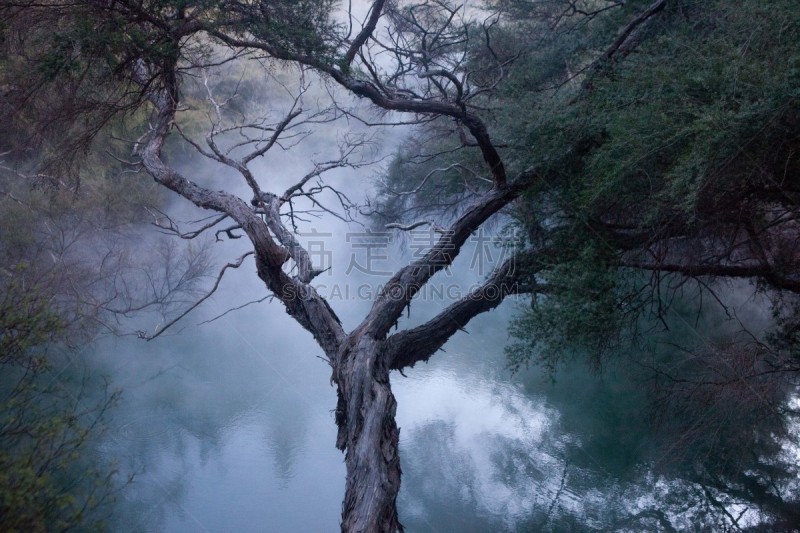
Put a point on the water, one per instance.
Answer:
(228, 426)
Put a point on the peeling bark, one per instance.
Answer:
(369, 435)
(362, 360)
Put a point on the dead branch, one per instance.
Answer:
(408, 227)
(238, 307)
(301, 301)
(235, 264)
(172, 227)
(441, 39)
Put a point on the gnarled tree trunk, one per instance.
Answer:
(368, 433)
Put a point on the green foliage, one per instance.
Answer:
(302, 28)
(49, 477)
(427, 175)
(65, 73)
(693, 134)
(703, 115)
(695, 131)
(585, 314)
(61, 261)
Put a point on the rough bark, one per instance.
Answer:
(361, 361)
(369, 435)
(411, 346)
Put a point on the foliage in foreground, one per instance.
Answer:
(50, 478)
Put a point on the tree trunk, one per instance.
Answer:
(367, 431)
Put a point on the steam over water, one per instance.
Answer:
(228, 426)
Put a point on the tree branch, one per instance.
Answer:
(369, 90)
(402, 287)
(302, 301)
(235, 264)
(750, 270)
(411, 346)
(618, 43)
(366, 32)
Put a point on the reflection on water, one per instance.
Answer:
(478, 454)
(230, 429)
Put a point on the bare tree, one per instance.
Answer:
(427, 43)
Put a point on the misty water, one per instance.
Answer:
(226, 421)
(228, 425)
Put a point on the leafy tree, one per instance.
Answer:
(685, 162)
(682, 178)
(668, 161)
(67, 272)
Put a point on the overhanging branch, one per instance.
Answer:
(411, 346)
(302, 302)
(402, 287)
